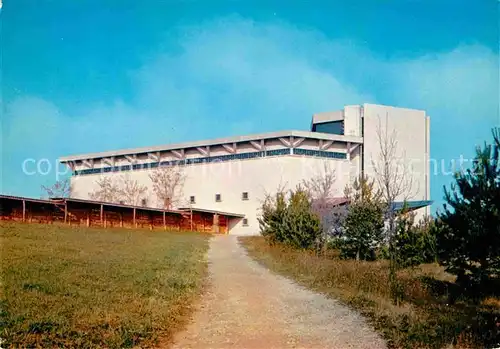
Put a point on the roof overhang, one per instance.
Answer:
(411, 205)
(214, 142)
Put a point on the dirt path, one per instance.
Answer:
(247, 306)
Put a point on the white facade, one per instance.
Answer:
(258, 164)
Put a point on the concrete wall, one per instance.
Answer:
(230, 179)
(410, 128)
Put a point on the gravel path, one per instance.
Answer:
(247, 306)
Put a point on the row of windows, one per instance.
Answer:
(218, 197)
(320, 153)
(210, 159)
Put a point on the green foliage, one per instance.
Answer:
(272, 218)
(301, 226)
(291, 221)
(469, 235)
(363, 226)
(414, 243)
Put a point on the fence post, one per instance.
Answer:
(24, 210)
(102, 216)
(191, 220)
(65, 212)
(164, 221)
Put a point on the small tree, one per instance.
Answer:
(289, 219)
(168, 185)
(469, 241)
(409, 240)
(130, 191)
(107, 190)
(363, 226)
(60, 189)
(271, 221)
(301, 226)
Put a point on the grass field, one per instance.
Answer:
(423, 320)
(80, 287)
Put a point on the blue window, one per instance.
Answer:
(229, 157)
(334, 127)
(320, 153)
(277, 152)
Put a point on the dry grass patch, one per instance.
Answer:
(423, 320)
(79, 287)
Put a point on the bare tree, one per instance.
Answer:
(107, 190)
(130, 191)
(394, 182)
(168, 185)
(391, 174)
(60, 189)
(320, 188)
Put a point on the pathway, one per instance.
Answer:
(247, 306)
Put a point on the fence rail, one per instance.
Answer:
(76, 212)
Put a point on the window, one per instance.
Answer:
(144, 202)
(192, 199)
(245, 222)
(333, 127)
(217, 197)
(244, 196)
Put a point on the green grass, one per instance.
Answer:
(423, 320)
(84, 287)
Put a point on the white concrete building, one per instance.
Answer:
(233, 174)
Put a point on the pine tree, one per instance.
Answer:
(469, 241)
(301, 226)
(363, 226)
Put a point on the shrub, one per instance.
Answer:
(291, 221)
(363, 231)
(414, 243)
(272, 218)
(363, 226)
(301, 226)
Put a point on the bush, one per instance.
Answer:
(414, 243)
(272, 220)
(363, 231)
(291, 221)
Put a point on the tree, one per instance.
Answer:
(168, 185)
(469, 241)
(414, 243)
(289, 219)
(271, 220)
(363, 226)
(394, 182)
(107, 190)
(130, 191)
(320, 188)
(60, 189)
(301, 225)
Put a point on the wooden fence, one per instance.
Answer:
(76, 212)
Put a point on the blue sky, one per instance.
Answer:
(82, 76)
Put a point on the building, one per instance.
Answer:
(233, 174)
